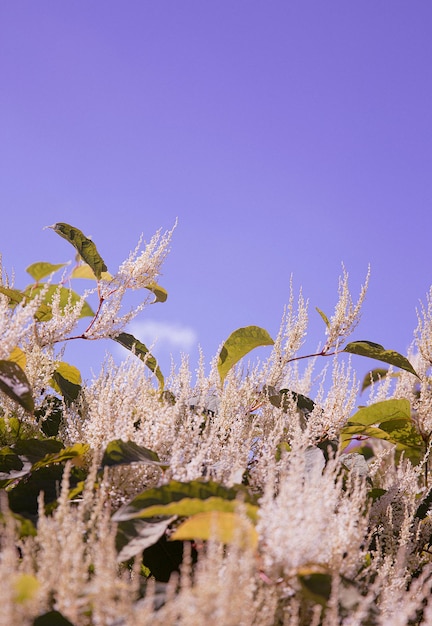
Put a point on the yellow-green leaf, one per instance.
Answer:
(19, 357)
(67, 296)
(67, 381)
(389, 420)
(189, 498)
(238, 344)
(323, 317)
(403, 436)
(85, 271)
(69, 372)
(84, 246)
(381, 412)
(41, 269)
(25, 587)
(224, 526)
(192, 506)
(15, 296)
(43, 314)
(160, 293)
(72, 453)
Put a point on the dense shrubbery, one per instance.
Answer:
(234, 499)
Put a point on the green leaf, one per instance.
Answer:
(160, 293)
(42, 269)
(177, 498)
(120, 452)
(363, 432)
(67, 296)
(131, 343)
(12, 465)
(23, 498)
(48, 458)
(84, 246)
(315, 585)
(69, 372)
(394, 425)
(376, 351)
(389, 420)
(281, 399)
(373, 376)
(24, 526)
(382, 412)
(163, 558)
(66, 379)
(238, 344)
(405, 439)
(50, 415)
(66, 454)
(15, 296)
(43, 313)
(135, 535)
(324, 317)
(52, 618)
(14, 383)
(37, 449)
(376, 493)
(191, 506)
(424, 506)
(405, 436)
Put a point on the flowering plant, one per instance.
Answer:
(137, 498)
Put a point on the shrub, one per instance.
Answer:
(236, 499)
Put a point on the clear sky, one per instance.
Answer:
(286, 136)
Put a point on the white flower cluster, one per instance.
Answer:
(346, 315)
(311, 519)
(141, 269)
(16, 324)
(423, 331)
(290, 338)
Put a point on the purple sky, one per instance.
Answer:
(287, 137)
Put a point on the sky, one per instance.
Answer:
(287, 138)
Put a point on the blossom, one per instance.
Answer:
(142, 268)
(347, 313)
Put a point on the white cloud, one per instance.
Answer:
(164, 335)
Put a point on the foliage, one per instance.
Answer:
(138, 498)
